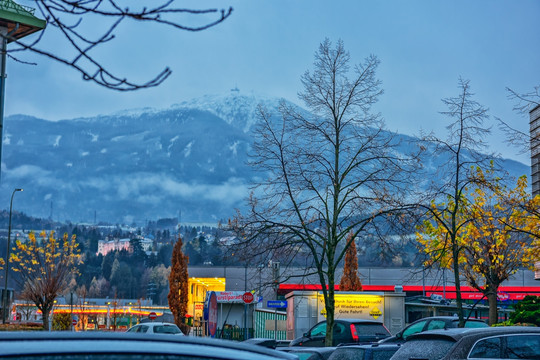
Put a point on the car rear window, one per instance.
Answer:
(383, 354)
(371, 330)
(425, 349)
(166, 329)
(348, 354)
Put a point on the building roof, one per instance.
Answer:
(19, 19)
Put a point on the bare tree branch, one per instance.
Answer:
(81, 25)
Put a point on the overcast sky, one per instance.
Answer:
(266, 45)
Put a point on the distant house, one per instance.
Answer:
(106, 246)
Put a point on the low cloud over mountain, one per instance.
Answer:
(188, 160)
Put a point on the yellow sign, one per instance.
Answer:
(375, 313)
(354, 306)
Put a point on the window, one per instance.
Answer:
(475, 324)
(319, 330)
(523, 346)
(134, 329)
(166, 329)
(429, 349)
(339, 328)
(487, 348)
(413, 329)
(143, 329)
(436, 324)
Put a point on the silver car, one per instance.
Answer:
(156, 328)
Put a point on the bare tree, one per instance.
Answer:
(523, 104)
(463, 148)
(86, 25)
(324, 174)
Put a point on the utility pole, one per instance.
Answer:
(275, 275)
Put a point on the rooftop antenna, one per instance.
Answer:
(236, 90)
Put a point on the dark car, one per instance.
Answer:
(346, 331)
(127, 346)
(266, 342)
(512, 342)
(309, 353)
(364, 352)
(431, 323)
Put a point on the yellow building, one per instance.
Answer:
(198, 287)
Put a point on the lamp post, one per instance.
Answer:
(16, 22)
(5, 297)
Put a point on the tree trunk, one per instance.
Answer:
(46, 314)
(492, 302)
(330, 310)
(457, 281)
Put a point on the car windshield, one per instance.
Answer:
(428, 349)
(475, 324)
(166, 329)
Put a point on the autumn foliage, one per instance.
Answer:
(490, 241)
(44, 267)
(178, 285)
(350, 280)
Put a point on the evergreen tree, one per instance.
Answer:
(350, 280)
(178, 284)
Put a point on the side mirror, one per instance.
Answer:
(306, 335)
(399, 335)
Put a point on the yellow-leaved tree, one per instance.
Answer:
(494, 249)
(45, 265)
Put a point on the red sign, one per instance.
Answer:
(247, 297)
(212, 314)
(74, 322)
(152, 316)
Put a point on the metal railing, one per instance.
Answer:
(12, 6)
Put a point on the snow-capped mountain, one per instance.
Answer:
(137, 165)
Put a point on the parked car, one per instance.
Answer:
(156, 328)
(127, 346)
(309, 353)
(345, 331)
(432, 323)
(513, 342)
(364, 352)
(266, 342)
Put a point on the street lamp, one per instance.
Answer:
(5, 299)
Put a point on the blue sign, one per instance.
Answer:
(276, 304)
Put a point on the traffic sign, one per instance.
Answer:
(212, 314)
(276, 304)
(74, 322)
(248, 297)
(152, 316)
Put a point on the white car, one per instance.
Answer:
(156, 328)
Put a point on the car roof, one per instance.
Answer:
(36, 343)
(317, 349)
(357, 321)
(369, 346)
(458, 333)
(452, 318)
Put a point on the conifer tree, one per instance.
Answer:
(178, 284)
(350, 280)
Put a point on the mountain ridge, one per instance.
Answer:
(187, 161)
